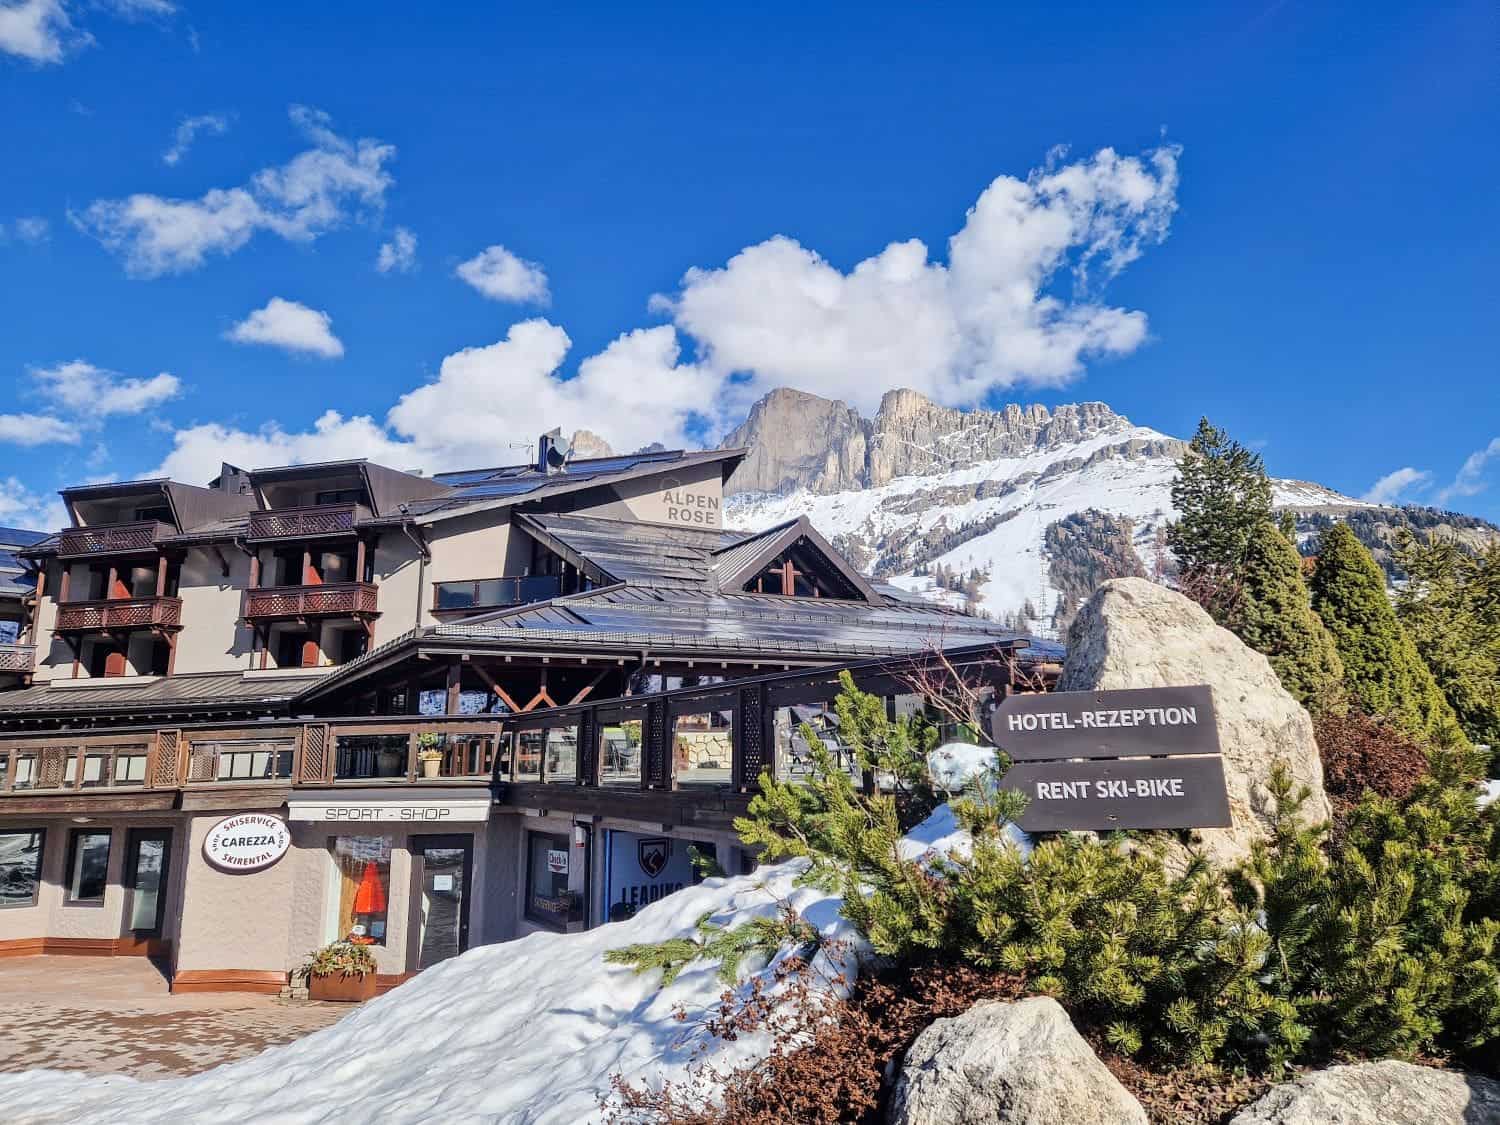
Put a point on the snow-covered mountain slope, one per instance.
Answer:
(983, 526)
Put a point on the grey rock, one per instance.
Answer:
(1379, 1093)
(1132, 633)
(1003, 1063)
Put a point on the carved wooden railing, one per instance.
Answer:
(110, 614)
(303, 523)
(111, 539)
(333, 599)
(17, 658)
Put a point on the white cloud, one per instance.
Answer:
(37, 429)
(1470, 479)
(39, 30)
(316, 191)
(141, 9)
(215, 124)
(501, 276)
(399, 254)
(291, 326)
(988, 318)
(1391, 487)
(779, 313)
(21, 507)
(78, 387)
(28, 228)
(484, 400)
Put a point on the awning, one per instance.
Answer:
(405, 805)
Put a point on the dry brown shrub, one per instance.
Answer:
(1363, 753)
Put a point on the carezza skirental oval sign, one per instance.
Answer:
(247, 842)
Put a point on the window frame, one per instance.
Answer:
(552, 838)
(74, 837)
(41, 858)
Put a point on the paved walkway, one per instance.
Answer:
(114, 1015)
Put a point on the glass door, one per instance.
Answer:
(146, 861)
(443, 872)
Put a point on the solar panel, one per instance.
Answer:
(616, 464)
(503, 487)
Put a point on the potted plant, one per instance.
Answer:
(429, 753)
(343, 972)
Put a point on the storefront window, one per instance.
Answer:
(562, 753)
(363, 864)
(505, 757)
(20, 865)
(620, 752)
(88, 866)
(794, 751)
(702, 748)
(529, 747)
(548, 866)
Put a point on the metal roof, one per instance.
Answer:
(641, 554)
(189, 691)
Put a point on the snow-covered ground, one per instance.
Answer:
(525, 1032)
(1045, 488)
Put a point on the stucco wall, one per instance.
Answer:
(211, 640)
(693, 498)
(53, 916)
(466, 548)
(396, 565)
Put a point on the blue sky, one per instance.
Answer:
(1281, 215)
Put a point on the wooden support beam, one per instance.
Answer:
(504, 696)
(541, 696)
(161, 576)
(455, 689)
(590, 686)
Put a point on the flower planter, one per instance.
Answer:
(341, 988)
(431, 766)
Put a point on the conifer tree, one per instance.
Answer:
(1274, 616)
(1383, 673)
(1451, 607)
(1223, 496)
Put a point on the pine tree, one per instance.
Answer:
(1383, 673)
(1450, 605)
(1223, 495)
(1274, 616)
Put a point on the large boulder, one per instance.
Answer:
(1135, 634)
(1004, 1063)
(1379, 1093)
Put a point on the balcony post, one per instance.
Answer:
(359, 560)
(254, 582)
(62, 589)
(161, 576)
(455, 690)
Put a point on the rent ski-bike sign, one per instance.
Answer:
(1138, 758)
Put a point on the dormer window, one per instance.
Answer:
(339, 496)
(158, 512)
(802, 571)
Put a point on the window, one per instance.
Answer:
(620, 751)
(113, 765)
(549, 862)
(562, 754)
(25, 772)
(703, 748)
(362, 756)
(251, 759)
(154, 512)
(529, 746)
(794, 752)
(88, 866)
(130, 767)
(363, 867)
(20, 865)
(338, 496)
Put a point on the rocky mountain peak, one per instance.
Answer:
(801, 440)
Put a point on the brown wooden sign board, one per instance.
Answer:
(1128, 793)
(1134, 722)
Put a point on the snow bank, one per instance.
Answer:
(1491, 792)
(525, 1032)
(953, 765)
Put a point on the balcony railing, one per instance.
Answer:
(17, 658)
(112, 539)
(311, 522)
(333, 599)
(493, 593)
(110, 614)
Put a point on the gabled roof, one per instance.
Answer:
(737, 565)
(608, 551)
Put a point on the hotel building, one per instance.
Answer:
(241, 719)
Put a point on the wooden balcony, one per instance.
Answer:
(333, 599)
(17, 659)
(112, 539)
(317, 521)
(113, 615)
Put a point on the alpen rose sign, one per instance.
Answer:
(247, 842)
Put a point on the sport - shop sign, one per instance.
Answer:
(1151, 759)
(247, 842)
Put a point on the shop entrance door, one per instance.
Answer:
(443, 874)
(147, 856)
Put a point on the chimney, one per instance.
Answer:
(550, 459)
